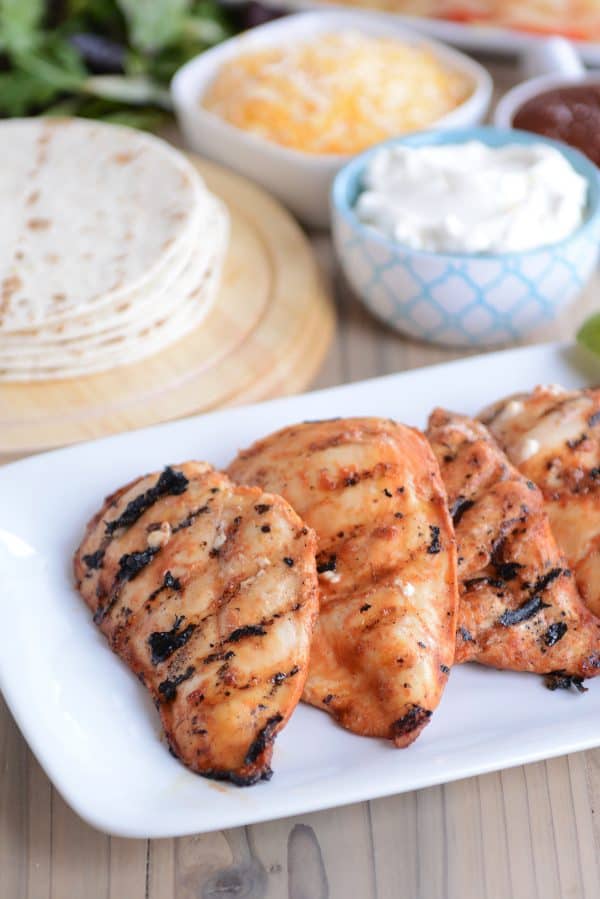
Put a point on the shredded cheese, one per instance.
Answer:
(337, 93)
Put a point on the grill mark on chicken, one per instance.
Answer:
(279, 677)
(413, 720)
(221, 656)
(434, 546)
(170, 482)
(248, 630)
(507, 571)
(165, 629)
(169, 583)
(534, 604)
(560, 680)
(236, 779)
(164, 643)
(168, 688)
(263, 739)
(526, 610)
(459, 507)
(131, 564)
(190, 519)
(555, 632)
(94, 560)
(104, 608)
(350, 478)
(328, 565)
(545, 580)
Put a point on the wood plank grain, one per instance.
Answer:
(307, 875)
(540, 852)
(14, 839)
(361, 333)
(571, 877)
(344, 838)
(592, 768)
(160, 871)
(39, 830)
(518, 825)
(463, 835)
(206, 866)
(584, 825)
(80, 856)
(269, 846)
(395, 840)
(332, 369)
(494, 837)
(127, 869)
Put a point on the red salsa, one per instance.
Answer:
(570, 114)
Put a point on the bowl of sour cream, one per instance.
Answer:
(470, 237)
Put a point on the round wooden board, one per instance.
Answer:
(266, 335)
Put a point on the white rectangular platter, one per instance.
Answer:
(472, 37)
(92, 725)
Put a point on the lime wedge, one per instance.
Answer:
(589, 334)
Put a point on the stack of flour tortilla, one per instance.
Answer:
(111, 247)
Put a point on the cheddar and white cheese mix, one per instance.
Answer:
(335, 93)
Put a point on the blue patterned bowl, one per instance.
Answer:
(463, 299)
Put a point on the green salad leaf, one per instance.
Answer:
(20, 93)
(138, 91)
(37, 78)
(55, 64)
(20, 22)
(153, 24)
(106, 59)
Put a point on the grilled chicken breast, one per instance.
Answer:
(553, 437)
(208, 591)
(384, 640)
(519, 607)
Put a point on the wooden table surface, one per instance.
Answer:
(531, 832)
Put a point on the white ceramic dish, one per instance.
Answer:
(300, 180)
(93, 727)
(475, 38)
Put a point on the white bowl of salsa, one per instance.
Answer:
(561, 102)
